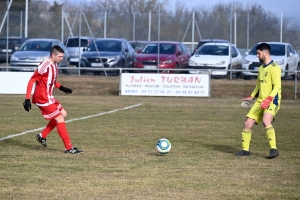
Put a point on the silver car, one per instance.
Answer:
(34, 51)
(75, 47)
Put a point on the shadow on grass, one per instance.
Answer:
(227, 149)
(222, 148)
(17, 143)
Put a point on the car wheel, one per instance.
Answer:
(239, 75)
(297, 74)
(286, 76)
(123, 66)
(177, 67)
(66, 71)
(247, 77)
(82, 71)
(228, 73)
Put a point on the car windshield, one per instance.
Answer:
(220, 50)
(74, 42)
(11, 42)
(276, 50)
(37, 45)
(106, 45)
(163, 48)
(138, 46)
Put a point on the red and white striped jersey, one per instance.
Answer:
(45, 78)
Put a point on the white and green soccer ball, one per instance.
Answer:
(163, 146)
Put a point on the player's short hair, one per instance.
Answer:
(263, 46)
(56, 49)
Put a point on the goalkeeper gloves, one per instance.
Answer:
(27, 105)
(266, 103)
(247, 101)
(65, 89)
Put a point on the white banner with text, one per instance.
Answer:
(14, 82)
(188, 85)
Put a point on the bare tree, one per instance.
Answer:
(123, 15)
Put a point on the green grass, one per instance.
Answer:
(120, 160)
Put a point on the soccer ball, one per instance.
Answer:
(163, 146)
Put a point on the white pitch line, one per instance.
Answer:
(71, 120)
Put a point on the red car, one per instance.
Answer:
(171, 55)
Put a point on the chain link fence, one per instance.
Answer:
(243, 26)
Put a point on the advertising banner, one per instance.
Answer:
(187, 85)
(14, 82)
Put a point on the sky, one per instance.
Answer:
(288, 8)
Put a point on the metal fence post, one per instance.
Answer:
(296, 84)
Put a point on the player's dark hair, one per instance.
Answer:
(56, 49)
(263, 46)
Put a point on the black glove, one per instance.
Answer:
(27, 105)
(65, 89)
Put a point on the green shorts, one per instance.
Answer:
(257, 113)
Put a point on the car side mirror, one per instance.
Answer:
(84, 49)
(291, 54)
(234, 55)
(126, 50)
(139, 51)
(179, 53)
(246, 53)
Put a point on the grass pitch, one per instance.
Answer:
(120, 160)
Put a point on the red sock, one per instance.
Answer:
(63, 133)
(50, 126)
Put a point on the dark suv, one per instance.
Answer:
(201, 42)
(109, 53)
(14, 44)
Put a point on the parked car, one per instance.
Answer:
(75, 46)
(14, 44)
(138, 45)
(218, 57)
(204, 41)
(34, 51)
(110, 53)
(171, 55)
(282, 53)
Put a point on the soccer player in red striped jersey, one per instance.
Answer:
(45, 79)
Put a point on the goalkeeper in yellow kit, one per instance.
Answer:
(267, 94)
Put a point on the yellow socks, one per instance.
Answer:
(271, 136)
(246, 137)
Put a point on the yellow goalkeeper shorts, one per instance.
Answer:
(257, 113)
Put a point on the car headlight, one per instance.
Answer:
(167, 61)
(192, 63)
(42, 58)
(246, 61)
(111, 59)
(221, 62)
(279, 62)
(14, 58)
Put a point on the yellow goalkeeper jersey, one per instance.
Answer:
(268, 83)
